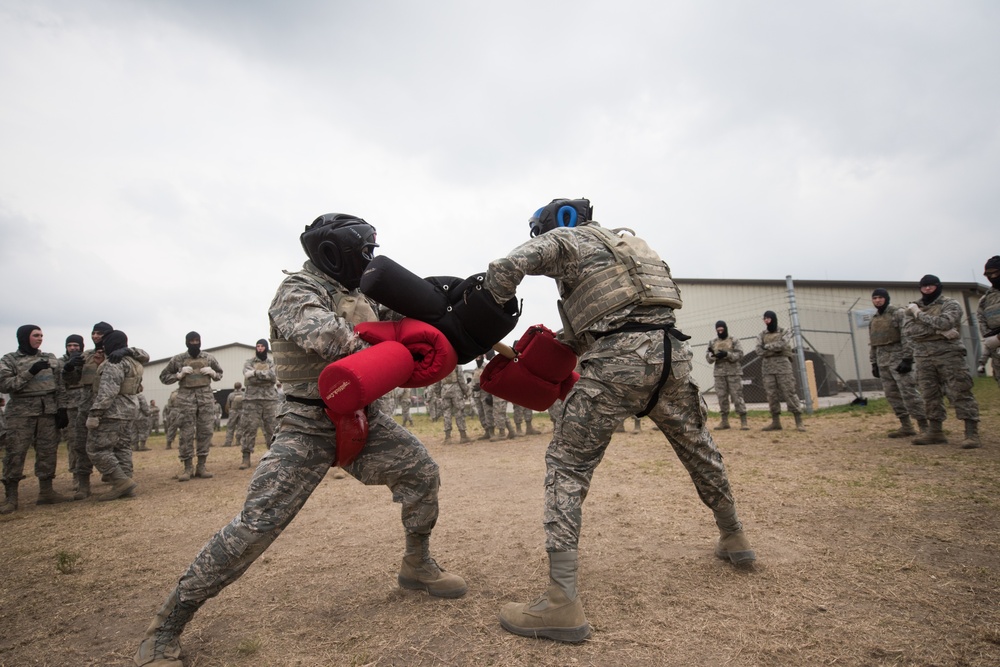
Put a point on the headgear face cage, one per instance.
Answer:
(340, 245)
(560, 213)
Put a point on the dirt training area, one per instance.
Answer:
(871, 552)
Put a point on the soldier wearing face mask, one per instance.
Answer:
(988, 316)
(891, 355)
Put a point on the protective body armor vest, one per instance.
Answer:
(132, 384)
(42, 383)
(292, 363)
(237, 402)
(638, 278)
(775, 337)
(723, 345)
(196, 380)
(924, 333)
(88, 374)
(883, 329)
(991, 310)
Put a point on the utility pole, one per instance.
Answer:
(799, 347)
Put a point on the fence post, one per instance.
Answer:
(799, 349)
(854, 347)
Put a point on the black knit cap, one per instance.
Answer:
(75, 338)
(102, 328)
(992, 263)
(929, 279)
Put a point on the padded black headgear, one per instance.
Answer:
(560, 213)
(114, 340)
(340, 245)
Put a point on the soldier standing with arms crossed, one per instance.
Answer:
(632, 362)
(260, 400)
(891, 355)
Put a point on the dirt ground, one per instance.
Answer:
(871, 552)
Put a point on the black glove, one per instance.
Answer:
(119, 354)
(905, 366)
(875, 371)
(721, 354)
(75, 360)
(62, 418)
(39, 366)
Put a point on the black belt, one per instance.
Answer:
(314, 402)
(668, 330)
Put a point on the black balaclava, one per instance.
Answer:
(930, 280)
(114, 340)
(75, 338)
(193, 350)
(263, 355)
(773, 326)
(104, 329)
(993, 263)
(24, 338)
(725, 330)
(878, 291)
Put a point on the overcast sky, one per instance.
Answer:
(159, 159)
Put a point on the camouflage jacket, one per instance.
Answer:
(32, 395)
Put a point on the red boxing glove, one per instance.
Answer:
(541, 373)
(433, 355)
(358, 379)
(352, 434)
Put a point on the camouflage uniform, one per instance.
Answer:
(260, 402)
(194, 408)
(522, 414)
(31, 413)
(940, 359)
(73, 386)
(483, 410)
(775, 351)
(154, 418)
(454, 391)
(404, 402)
(888, 349)
(312, 322)
(501, 422)
(988, 316)
(116, 405)
(170, 418)
(140, 426)
(728, 373)
(234, 408)
(620, 370)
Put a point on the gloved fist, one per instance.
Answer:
(914, 309)
(62, 418)
(93, 422)
(75, 361)
(119, 354)
(209, 371)
(249, 374)
(981, 369)
(721, 354)
(992, 343)
(39, 366)
(905, 366)
(875, 371)
(951, 334)
(184, 372)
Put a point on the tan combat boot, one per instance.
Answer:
(82, 487)
(743, 422)
(775, 424)
(724, 425)
(529, 429)
(246, 461)
(971, 440)
(420, 572)
(188, 471)
(799, 426)
(200, 471)
(447, 436)
(161, 646)
(558, 613)
(463, 437)
(905, 429)
(487, 435)
(120, 486)
(933, 436)
(733, 544)
(47, 495)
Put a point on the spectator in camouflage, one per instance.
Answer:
(154, 418)
(404, 402)
(484, 410)
(454, 392)
(725, 353)
(988, 316)
(774, 347)
(933, 323)
(140, 426)
(312, 318)
(194, 370)
(35, 413)
(234, 410)
(73, 386)
(891, 356)
(170, 419)
(630, 364)
(260, 400)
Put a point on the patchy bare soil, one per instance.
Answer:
(871, 552)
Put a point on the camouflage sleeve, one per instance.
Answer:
(10, 379)
(760, 344)
(554, 254)
(710, 352)
(905, 342)
(62, 399)
(139, 354)
(950, 317)
(169, 373)
(736, 354)
(111, 382)
(217, 367)
(302, 312)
